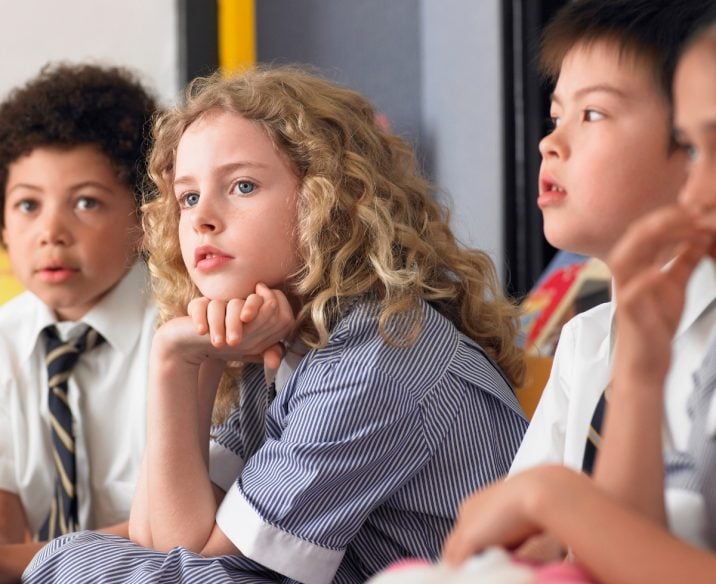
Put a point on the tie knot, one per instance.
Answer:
(63, 355)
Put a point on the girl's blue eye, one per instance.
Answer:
(190, 200)
(245, 187)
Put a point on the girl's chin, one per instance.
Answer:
(224, 295)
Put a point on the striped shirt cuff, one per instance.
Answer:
(271, 547)
(224, 465)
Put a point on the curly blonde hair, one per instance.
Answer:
(367, 221)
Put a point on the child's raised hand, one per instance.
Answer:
(253, 327)
(496, 515)
(650, 296)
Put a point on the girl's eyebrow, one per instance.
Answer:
(709, 126)
(223, 168)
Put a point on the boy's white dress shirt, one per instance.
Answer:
(108, 411)
(581, 370)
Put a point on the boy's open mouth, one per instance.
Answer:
(56, 274)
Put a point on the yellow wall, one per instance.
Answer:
(9, 286)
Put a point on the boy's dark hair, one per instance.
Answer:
(74, 105)
(651, 29)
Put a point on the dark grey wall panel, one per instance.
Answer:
(370, 45)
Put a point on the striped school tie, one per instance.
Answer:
(61, 359)
(594, 436)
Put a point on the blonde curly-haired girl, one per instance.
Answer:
(279, 192)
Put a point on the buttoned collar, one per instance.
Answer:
(118, 317)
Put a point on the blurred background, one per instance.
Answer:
(456, 78)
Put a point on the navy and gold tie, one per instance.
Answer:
(594, 436)
(60, 360)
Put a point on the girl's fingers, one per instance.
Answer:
(197, 312)
(251, 307)
(267, 309)
(233, 322)
(216, 316)
(285, 317)
(273, 355)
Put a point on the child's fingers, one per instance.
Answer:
(234, 326)
(267, 310)
(688, 258)
(251, 307)
(455, 550)
(216, 317)
(652, 241)
(275, 318)
(197, 312)
(280, 322)
(273, 355)
(284, 313)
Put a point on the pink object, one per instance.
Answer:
(563, 572)
(407, 564)
(495, 565)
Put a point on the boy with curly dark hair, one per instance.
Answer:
(75, 345)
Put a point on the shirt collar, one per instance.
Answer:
(711, 418)
(700, 294)
(118, 317)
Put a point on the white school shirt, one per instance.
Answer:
(582, 368)
(109, 411)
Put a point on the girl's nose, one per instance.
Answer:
(206, 217)
(699, 193)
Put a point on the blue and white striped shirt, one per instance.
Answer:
(361, 459)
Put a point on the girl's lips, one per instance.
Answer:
(208, 257)
(211, 262)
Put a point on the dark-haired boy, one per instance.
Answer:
(609, 160)
(73, 144)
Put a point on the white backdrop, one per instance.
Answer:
(141, 34)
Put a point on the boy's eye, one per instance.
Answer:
(26, 205)
(189, 200)
(86, 203)
(592, 116)
(553, 122)
(244, 187)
